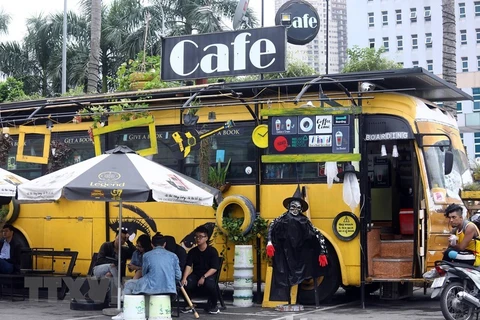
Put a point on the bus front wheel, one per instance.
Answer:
(327, 285)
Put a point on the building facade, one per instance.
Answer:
(314, 53)
(411, 32)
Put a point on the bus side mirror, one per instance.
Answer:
(448, 162)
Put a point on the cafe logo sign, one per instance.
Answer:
(304, 21)
(224, 54)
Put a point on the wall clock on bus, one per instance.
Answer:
(260, 136)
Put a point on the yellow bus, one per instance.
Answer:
(390, 128)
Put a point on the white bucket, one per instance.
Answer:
(159, 308)
(243, 276)
(134, 307)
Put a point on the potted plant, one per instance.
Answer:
(471, 191)
(217, 176)
(60, 156)
(243, 261)
(476, 172)
(3, 214)
(6, 143)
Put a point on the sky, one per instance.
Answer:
(20, 10)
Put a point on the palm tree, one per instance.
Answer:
(95, 34)
(449, 47)
(203, 16)
(4, 21)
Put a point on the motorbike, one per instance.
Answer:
(458, 286)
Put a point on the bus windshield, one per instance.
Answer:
(434, 156)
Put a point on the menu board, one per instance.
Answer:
(311, 134)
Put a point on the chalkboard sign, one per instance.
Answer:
(310, 134)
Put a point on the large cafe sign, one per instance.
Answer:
(232, 53)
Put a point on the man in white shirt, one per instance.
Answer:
(9, 251)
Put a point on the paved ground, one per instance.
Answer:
(341, 307)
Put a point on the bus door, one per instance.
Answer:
(391, 239)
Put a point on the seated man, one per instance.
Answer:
(107, 257)
(160, 272)
(202, 265)
(9, 251)
(462, 242)
(172, 246)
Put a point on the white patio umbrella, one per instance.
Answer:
(9, 182)
(120, 175)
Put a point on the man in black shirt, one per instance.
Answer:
(9, 251)
(201, 268)
(107, 259)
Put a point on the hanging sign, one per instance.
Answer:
(304, 24)
(311, 134)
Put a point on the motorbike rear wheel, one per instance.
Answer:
(452, 307)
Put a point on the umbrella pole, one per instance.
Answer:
(119, 280)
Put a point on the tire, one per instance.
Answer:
(13, 212)
(247, 207)
(327, 285)
(452, 309)
(87, 306)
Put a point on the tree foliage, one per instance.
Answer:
(368, 59)
(37, 59)
(4, 21)
(11, 90)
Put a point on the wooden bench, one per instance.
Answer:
(29, 268)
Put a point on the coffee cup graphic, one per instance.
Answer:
(278, 123)
(338, 138)
(288, 124)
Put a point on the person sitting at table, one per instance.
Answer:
(144, 244)
(160, 271)
(172, 246)
(107, 258)
(9, 251)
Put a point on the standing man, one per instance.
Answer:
(9, 251)
(297, 247)
(462, 242)
(200, 270)
(107, 258)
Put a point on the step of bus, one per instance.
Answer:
(396, 248)
(392, 267)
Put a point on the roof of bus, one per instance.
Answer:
(415, 81)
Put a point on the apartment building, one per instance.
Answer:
(314, 53)
(411, 32)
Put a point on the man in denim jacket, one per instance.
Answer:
(160, 271)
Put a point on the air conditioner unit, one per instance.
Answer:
(413, 15)
(428, 13)
(428, 40)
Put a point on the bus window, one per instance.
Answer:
(434, 161)
(294, 172)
